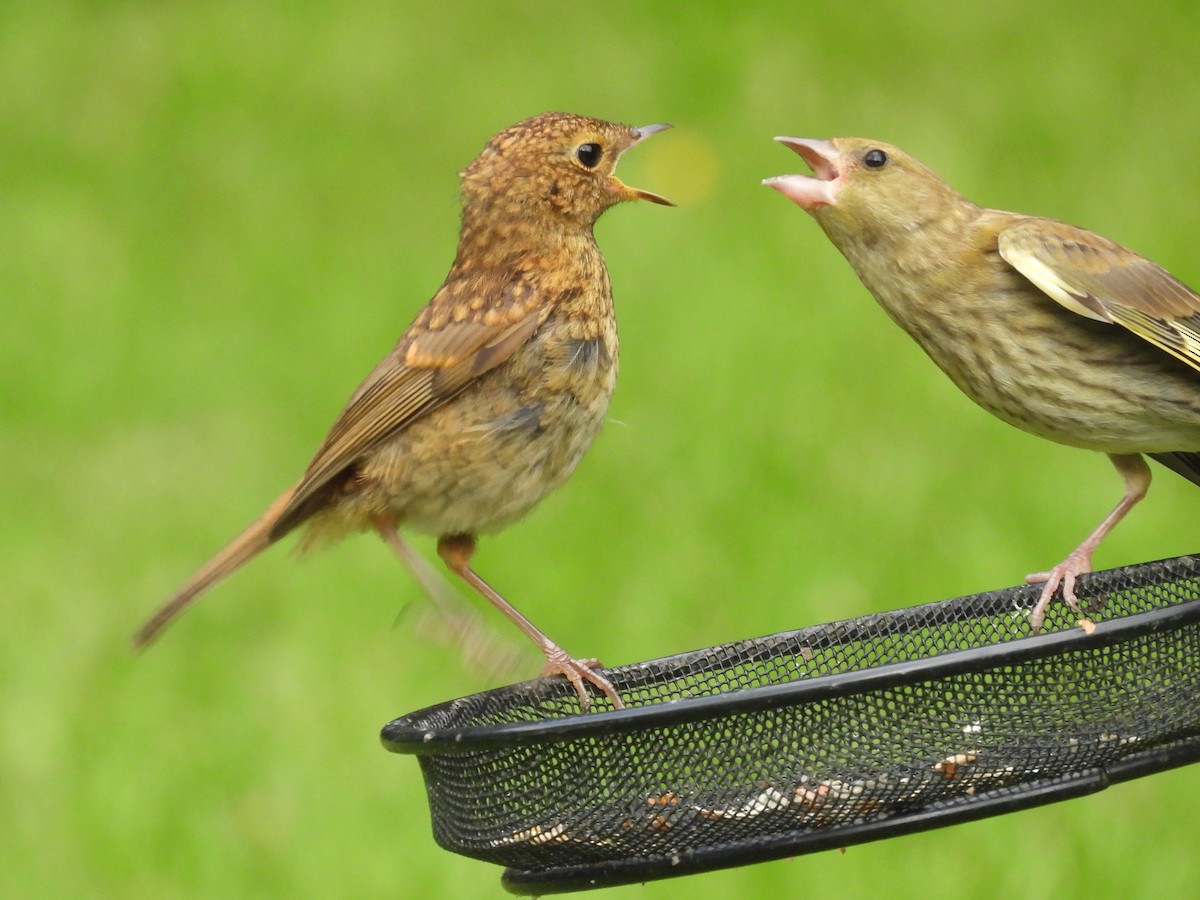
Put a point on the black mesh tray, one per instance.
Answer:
(823, 737)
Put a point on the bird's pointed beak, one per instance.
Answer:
(646, 130)
(811, 191)
(639, 194)
(631, 193)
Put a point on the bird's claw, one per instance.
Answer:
(1063, 575)
(577, 671)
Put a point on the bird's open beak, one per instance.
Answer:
(631, 193)
(818, 189)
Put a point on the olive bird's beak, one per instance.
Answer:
(811, 191)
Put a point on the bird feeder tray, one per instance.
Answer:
(824, 737)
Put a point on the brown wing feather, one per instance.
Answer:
(1096, 277)
(434, 360)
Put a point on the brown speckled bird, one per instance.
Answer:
(494, 392)
(1052, 328)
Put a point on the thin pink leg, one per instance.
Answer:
(452, 622)
(456, 551)
(1136, 474)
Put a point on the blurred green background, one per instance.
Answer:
(217, 216)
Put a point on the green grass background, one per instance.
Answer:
(217, 216)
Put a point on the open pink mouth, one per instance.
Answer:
(818, 189)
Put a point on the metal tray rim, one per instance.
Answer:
(406, 735)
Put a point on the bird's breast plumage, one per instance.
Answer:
(514, 434)
(1003, 343)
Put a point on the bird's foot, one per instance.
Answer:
(577, 671)
(1063, 575)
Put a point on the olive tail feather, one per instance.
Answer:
(237, 553)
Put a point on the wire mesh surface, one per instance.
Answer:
(818, 738)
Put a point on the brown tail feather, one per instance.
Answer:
(239, 551)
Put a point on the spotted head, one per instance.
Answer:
(555, 166)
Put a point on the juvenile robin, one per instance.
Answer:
(1049, 327)
(493, 393)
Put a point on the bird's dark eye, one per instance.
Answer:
(875, 159)
(589, 154)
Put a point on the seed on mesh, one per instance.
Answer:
(537, 834)
(949, 767)
(768, 800)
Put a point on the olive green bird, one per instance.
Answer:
(1050, 327)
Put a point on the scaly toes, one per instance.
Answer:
(1064, 575)
(1068, 591)
(577, 671)
(1037, 616)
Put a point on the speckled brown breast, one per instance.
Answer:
(510, 438)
